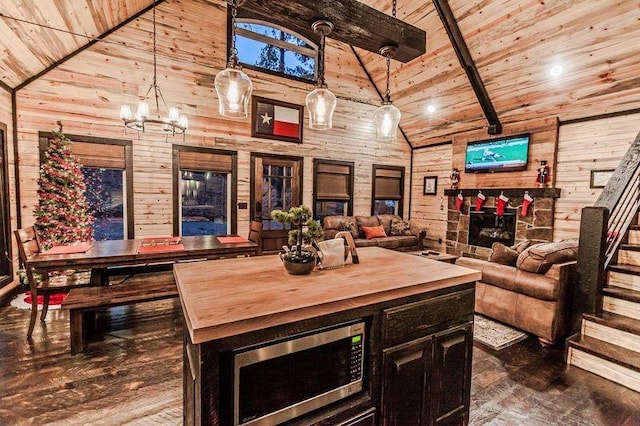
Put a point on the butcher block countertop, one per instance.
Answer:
(223, 298)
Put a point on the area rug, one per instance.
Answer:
(495, 335)
(23, 300)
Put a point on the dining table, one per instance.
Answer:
(98, 256)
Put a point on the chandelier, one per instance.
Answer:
(233, 86)
(171, 124)
(387, 116)
(321, 102)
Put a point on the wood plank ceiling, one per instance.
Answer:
(513, 44)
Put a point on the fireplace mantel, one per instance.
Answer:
(508, 192)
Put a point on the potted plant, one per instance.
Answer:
(304, 230)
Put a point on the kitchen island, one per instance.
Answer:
(417, 317)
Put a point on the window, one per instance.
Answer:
(333, 188)
(204, 186)
(6, 266)
(268, 47)
(388, 190)
(107, 171)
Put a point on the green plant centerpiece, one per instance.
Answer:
(304, 230)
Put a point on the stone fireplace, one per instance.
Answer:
(471, 233)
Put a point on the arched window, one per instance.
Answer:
(274, 49)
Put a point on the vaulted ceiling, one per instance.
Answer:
(512, 42)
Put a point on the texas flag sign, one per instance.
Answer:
(276, 120)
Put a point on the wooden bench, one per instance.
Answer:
(83, 302)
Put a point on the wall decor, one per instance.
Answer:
(599, 178)
(277, 120)
(430, 185)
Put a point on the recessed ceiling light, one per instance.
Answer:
(556, 71)
(431, 108)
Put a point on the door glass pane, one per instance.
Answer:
(276, 194)
(105, 195)
(204, 203)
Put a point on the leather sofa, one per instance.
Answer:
(536, 302)
(411, 239)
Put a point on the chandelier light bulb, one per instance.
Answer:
(143, 111)
(174, 115)
(183, 121)
(125, 112)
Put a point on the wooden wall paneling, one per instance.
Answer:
(593, 145)
(86, 92)
(431, 210)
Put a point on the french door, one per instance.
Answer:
(276, 185)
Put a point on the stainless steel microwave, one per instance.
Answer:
(277, 382)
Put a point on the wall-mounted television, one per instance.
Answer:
(504, 154)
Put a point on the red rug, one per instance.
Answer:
(23, 300)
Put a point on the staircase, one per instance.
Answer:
(609, 341)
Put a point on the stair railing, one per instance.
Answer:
(602, 229)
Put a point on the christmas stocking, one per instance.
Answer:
(459, 201)
(525, 204)
(479, 200)
(501, 204)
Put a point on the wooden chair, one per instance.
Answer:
(28, 246)
(255, 234)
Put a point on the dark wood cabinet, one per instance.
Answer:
(405, 383)
(427, 381)
(451, 380)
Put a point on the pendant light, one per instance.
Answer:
(173, 123)
(321, 102)
(387, 116)
(233, 86)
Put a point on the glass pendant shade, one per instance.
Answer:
(387, 118)
(234, 89)
(321, 104)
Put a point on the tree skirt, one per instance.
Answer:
(495, 335)
(23, 300)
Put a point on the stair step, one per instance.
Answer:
(613, 353)
(635, 227)
(623, 280)
(614, 329)
(599, 358)
(621, 307)
(622, 293)
(625, 269)
(634, 235)
(630, 247)
(619, 322)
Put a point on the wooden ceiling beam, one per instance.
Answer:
(355, 23)
(6, 87)
(466, 61)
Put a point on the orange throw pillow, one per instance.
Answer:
(373, 232)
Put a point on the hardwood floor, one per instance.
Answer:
(133, 375)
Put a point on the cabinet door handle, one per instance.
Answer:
(400, 362)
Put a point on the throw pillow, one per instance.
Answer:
(371, 232)
(521, 246)
(350, 226)
(503, 255)
(540, 257)
(400, 227)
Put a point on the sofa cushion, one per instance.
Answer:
(329, 234)
(539, 258)
(406, 240)
(362, 242)
(521, 246)
(400, 227)
(386, 221)
(371, 232)
(366, 221)
(503, 255)
(333, 222)
(388, 242)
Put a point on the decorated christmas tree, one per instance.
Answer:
(62, 214)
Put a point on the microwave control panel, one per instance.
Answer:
(356, 357)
